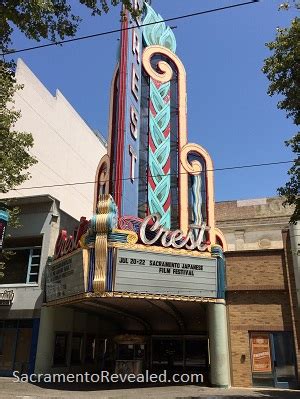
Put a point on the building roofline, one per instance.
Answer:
(251, 199)
(31, 199)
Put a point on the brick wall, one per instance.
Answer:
(269, 208)
(257, 300)
(248, 270)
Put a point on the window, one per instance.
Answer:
(60, 349)
(76, 349)
(167, 352)
(126, 352)
(196, 352)
(33, 265)
(23, 266)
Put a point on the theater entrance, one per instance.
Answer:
(139, 335)
(154, 335)
(173, 354)
(178, 354)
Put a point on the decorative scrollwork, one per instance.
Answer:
(159, 180)
(165, 72)
(162, 72)
(130, 223)
(102, 179)
(99, 281)
(101, 225)
(124, 236)
(132, 238)
(194, 168)
(155, 30)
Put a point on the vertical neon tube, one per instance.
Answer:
(159, 198)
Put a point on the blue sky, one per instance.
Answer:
(229, 111)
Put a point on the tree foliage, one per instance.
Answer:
(282, 69)
(36, 19)
(48, 19)
(15, 156)
(291, 190)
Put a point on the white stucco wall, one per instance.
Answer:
(66, 148)
(39, 216)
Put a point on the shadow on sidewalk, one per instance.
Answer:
(253, 394)
(98, 386)
(204, 391)
(290, 394)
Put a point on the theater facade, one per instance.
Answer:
(141, 285)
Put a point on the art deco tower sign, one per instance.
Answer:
(150, 167)
(153, 232)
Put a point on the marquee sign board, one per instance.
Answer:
(159, 273)
(66, 276)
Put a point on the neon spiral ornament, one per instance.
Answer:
(162, 72)
(157, 33)
(194, 168)
(197, 199)
(159, 179)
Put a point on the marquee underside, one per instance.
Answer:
(145, 315)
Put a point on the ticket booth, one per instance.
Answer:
(130, 354)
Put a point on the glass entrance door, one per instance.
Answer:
(178, 354)
(273, 359)
(167, 354)
(283, 359)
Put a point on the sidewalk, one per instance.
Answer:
(11, 389)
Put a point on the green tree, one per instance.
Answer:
(15, 156)
(282, 69)
(36, 19)
(48, 19)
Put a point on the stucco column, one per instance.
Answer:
(44, 352)
(218, 345)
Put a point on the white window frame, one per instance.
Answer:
(29, 265)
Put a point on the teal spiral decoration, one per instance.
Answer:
(159, 200)
(159, 181)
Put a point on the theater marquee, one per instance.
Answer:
(148, 272)
(67, 276)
